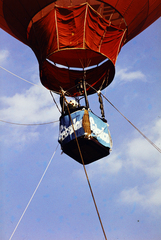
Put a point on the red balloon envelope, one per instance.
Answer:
(77, 34)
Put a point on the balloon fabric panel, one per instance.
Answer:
(78, 34)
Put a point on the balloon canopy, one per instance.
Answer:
(80, 35)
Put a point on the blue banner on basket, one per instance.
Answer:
(66, 133)
(99, 129)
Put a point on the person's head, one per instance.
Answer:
(73, 103)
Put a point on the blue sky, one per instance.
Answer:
(126, 184)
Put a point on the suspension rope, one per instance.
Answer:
(55, 101)
(34, 85)
(21, 77)
(153, 144)
(85, 169)
(37, 85)
(28, 124)
(67, 92)
(33, 194)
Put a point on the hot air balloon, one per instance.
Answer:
(85, 37)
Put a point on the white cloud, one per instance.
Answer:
(112, 164)
(147, 196)
(125, 75)
(35, 105)
(131, 195)
(18, 137)
(4, 54)
(130, 76)
(142, 155)
(145, 160)
(102, 168)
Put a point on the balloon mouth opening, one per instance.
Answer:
(77, 58)
(56, 76)
(58, 65)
